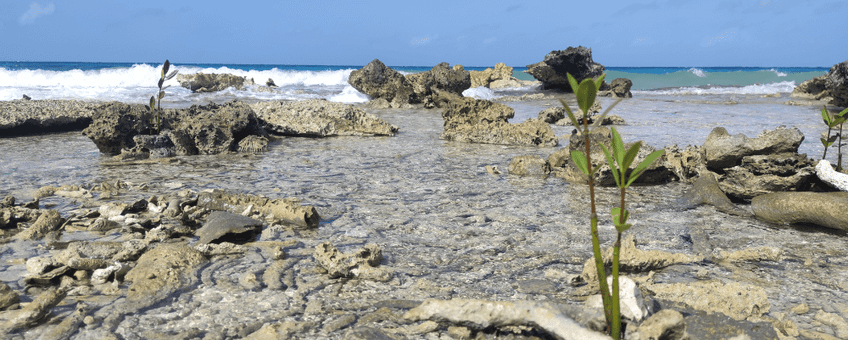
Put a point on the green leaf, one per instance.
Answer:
(839, 120)
(616, 173)
(826, 116)
(165, 68)
(586, 93)
(599, 81)
(570, 114)
(644, 165)
(617, 148)
(616, 214)
(152, 103)
(600, 118)
(161, 95)
(630, 156)
(843, 113)
(623, 228)
(580, 160)
(825, 142)
(573, 82)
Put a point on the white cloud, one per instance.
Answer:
(36, 10)
(420, 41)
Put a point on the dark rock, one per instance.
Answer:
(155, 146)
(837, 84)
(320, 118)
(576, 61)
(552, 115)
(619, 88)
(235, 227)
(217, 128)
(8, 297)
(724, 151)
(213, 82)
(481, 121)
(366, 333)
(270, 83)
(379, 81)
(815, 88)
(115, 124)
(28, 117)
(762, 174)
(25, 97)
(826, 209)
(529, 165)
(441, 77)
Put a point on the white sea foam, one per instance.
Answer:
(349, 95)
(698, 72)
(480, 93)
(778, 73)
(760, 89)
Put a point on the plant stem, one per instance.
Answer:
(824, 155)
(839, 151)
(596, 243)
(615, 330)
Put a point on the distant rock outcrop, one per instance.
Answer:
(24, 116)
(499, 77)
(212, 82)
(481, 121)
(576, 61)
(379, 81)
(831, 87)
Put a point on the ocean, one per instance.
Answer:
(135, 82)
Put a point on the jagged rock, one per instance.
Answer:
(724, 150)
(270, 83)
(36, 310)
(320, 118)
(234, 226)
(618, 88)
(762, 174)
(529, 165)
(552, 114)
(8, 297)
(482, 314)
(379, 81)
(736, 300)
(212, 82)
(25, 117)
(48, 221)
(253, 144)
(815, 88)
(574, 60)
(362, 264)
(499, 77)
(826, 209)
(835, 179)
(287, 210)
(563, 166)
(215, 128)
(115, 124)
(481, 121)
(154, 146)
(441, 77)
(837, 84)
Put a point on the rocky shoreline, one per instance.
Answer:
(175, 262)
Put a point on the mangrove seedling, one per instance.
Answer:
(619, 161)
(833, 121)
(157, 105)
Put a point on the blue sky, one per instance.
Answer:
(424, 33)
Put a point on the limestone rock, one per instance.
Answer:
(441, 77)
(552, 115)
(285, 210)
(212, 82)
(618, 88)
(835, 179)
(24, 117)
(234, 226)
(706, 190)
(815, 88)
(762, 174)
(737, 300)
(529, 165)
(667, 324)
(837, 84)
(724, 150)
(379, 81)
(36, 310)
(115, 124)
(826, 209)
(8, 297)
(574, 60)
(481, 121)
(362, 263)
(48, 221)
(214, 129)
(634, 260)
(320, 118)
(481, 314)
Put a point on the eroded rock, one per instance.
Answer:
(634, 260)
(737, 300)
(221, 224)
(481, 121)
(285, 210)
(529, 165)
(320, 118)
(212, 82)
(826, 209)
(362, 263)
(576, 61)
(723, 150)
(379, 81)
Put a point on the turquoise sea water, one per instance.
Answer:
(132, 82)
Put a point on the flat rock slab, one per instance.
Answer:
(23, 117)
(826, 209)
(222, 223)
